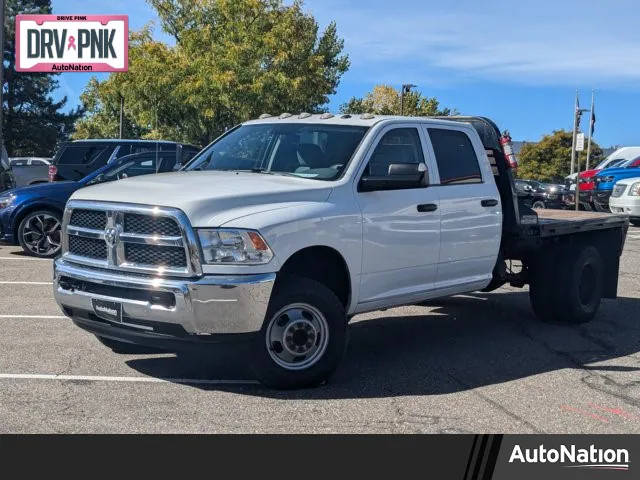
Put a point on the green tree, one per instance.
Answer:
(32, 121)
(550, 158)
(386, 100)
(233, 60)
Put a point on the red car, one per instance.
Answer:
(586, 182)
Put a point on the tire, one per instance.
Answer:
(538, 204)
(568, 291)
(304, 317)
(124, 347)
(39, 233)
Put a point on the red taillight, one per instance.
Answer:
(53, 171)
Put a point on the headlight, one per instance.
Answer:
(635, 189)
(233, 246)
(6, 200)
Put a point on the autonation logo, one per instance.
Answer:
(573, 457)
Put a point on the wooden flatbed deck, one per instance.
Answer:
(563, 222)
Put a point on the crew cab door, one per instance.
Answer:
(470, 209)
(401, 227)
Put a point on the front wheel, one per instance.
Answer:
(39, 234)
(303, 337)
(538, 205)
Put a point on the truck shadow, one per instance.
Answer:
(455, 344)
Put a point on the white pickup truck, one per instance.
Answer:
(285, 227)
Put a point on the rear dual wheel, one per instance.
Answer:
(567, 289)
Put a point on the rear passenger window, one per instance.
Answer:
(401, 145)
(85, 155)
(455, 156)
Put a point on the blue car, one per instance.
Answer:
(606, 179)
(32, 216)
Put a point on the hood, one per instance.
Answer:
(45, 189)
(210, 198)
(631, 171)
(588, 173)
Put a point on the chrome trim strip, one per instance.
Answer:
(115, 253)
(85, 232)
(158, 240)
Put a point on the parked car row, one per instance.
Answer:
(31, 213)
(596, 185)
(539, 195)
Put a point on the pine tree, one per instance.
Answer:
(33, 121)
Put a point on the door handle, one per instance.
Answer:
(427, 207)
(491, 202)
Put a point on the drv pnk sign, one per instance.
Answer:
(72, 43)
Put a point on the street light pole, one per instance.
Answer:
(121, 113)
(406, 88)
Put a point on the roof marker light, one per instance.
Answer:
(265, 115)
(324, 116)
(366, 116)
(304, 115)
(284, 115)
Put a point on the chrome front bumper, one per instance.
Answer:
(213, 304)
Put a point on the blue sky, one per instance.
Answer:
(518, 64)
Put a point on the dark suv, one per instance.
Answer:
(75, 160)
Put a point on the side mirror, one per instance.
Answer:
(400, 176)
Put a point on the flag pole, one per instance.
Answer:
(591, 123)
(573, 141)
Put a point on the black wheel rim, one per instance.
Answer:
(41, 234)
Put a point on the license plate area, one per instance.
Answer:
(111, 311)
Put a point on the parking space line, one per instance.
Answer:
(29, 259)
(96, 378)
(33, 316)
(26, 283)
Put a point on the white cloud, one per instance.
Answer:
(543, 43)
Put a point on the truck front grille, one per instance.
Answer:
(93, 219)
(127, 237)
(88, 247)
(147, 225)
(154, 255)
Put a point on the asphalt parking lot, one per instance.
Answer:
(476, 363)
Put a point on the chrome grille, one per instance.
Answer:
(93, 219)
(136, 238)
(147, 225)
(618, 190)
(88, 247)
(156, 256)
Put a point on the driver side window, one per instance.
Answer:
(400, 145)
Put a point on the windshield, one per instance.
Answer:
(305, 150)
(145, 163)
(606, 163)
